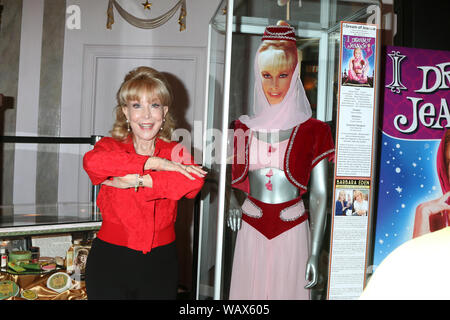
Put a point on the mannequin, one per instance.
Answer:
(283, 149)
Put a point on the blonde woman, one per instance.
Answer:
(360, 205)
(143, 174)
(357, 67)
(341, 204)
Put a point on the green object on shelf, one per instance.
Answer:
(16, 267)
(19, 255)
(30, 266)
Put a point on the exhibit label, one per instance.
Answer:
(355, 147)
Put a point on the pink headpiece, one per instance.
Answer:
(280, 32)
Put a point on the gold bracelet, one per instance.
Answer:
(139, 182)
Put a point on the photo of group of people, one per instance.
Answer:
(351, 202)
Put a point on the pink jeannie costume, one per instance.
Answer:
(358, 70)
(272, 246)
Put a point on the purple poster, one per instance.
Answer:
(415, 116)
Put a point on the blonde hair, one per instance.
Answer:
(137, 82)
(358, 193)
(285, 52)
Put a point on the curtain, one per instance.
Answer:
(147, 23)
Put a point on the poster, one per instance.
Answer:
(356, 105)
(353, 178)
(415, 118)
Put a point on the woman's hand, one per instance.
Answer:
(344, 207)
(425, 210)
(125, 182)
(161, 164)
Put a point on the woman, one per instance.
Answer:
(435, 214)
(357, 68)
(142, 176)
(360, 205)
(282, 145)
(341, 204)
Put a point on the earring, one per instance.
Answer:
(128, 125)
(164, 120)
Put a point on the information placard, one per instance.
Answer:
(355, 147)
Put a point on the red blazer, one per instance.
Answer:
(145, 219)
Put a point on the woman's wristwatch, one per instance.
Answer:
(139, 182)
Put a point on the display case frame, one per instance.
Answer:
(226, 23)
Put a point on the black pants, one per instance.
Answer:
(116, 272)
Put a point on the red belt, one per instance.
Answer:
(270, 224)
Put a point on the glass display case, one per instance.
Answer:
(52, 194)
(48, 205)
(234, 35)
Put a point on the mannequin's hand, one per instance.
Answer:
(312, 273)
(234, 219)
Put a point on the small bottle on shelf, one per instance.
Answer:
(4, 259)
(70, 256)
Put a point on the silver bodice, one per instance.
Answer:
(273, 137)
(282, 189)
